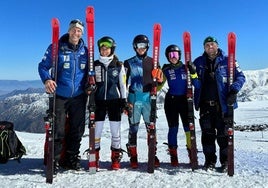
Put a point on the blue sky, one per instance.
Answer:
(26, 29)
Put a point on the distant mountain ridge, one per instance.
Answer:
(6, 86)
(27, 107)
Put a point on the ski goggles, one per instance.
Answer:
(174, 54)
(141, 45)
(106, 44)
(77, 21)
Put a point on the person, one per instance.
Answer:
(211, 96)
(110, 97)
(70, 93)
(175, 104)
(139, 69)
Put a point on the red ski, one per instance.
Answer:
(91, 81)
(230, 115)
(187, 57)
(151, 133)
(50, 118)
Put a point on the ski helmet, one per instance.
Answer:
(173, 48)
(108, 42)
(141, 39)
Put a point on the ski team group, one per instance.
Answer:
(126, 86)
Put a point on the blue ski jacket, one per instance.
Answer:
(72, 68)
(221, 76)
(176, 77)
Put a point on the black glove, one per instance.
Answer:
(231, 97)
(191, 67)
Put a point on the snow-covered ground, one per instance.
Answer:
(251, 160)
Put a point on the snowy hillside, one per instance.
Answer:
(256, 86)
(251, 161)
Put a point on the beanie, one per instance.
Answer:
(76, 23)
(210, 39)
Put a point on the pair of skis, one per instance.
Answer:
(151, 128)
(51, 112)
(229, 119)
(187, 57)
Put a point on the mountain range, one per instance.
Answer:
(25, 102)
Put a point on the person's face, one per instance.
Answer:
(211, 48)
(141, 48)
(75, 34)
(105, 51)
(141, 51)
(173, 57)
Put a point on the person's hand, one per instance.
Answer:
(158, 74)
(191, 67)
(231, 97)
(126, 107)
(50, 86)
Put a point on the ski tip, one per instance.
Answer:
(89, 14)
(55, 22)
(186, 33)
(231, 35)
(157, 26)
(90, 9)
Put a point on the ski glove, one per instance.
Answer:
(158, 74)
(191, 67)
(126, 108)
(231, 97)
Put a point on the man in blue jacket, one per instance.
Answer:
(70, 93)
(211, 96)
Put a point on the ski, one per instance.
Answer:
(230, 115)
(91, 81)
(187, 56)
(50, 118)
(151, 127)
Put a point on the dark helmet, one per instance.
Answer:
(173, 48)
(141, 39)
(108, 42)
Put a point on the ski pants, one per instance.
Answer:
(213, 128)
(113, 109)
(75, 109)
(175, 107)
(141, 108)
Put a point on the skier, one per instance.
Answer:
(212, 96)
(110, 97)
(139, 70)
(70, 93)
(175, 100)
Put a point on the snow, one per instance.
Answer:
(251, 159)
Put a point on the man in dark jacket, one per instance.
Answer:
(212, 94)
(70, 93)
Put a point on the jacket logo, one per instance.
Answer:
(115, 73)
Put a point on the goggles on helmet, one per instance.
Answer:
(77, 21)
(141, 45)
(105, 43)
(174, 54)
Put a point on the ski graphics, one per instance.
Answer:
(187, 56)
(50, 118)
(151, 127)
(230, 114)
(91, 81)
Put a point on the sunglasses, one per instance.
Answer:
(77, 21)
(174, 54)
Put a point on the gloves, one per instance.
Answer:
(231, 97)
(191, 67)
(126, 107)
(158, 74)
